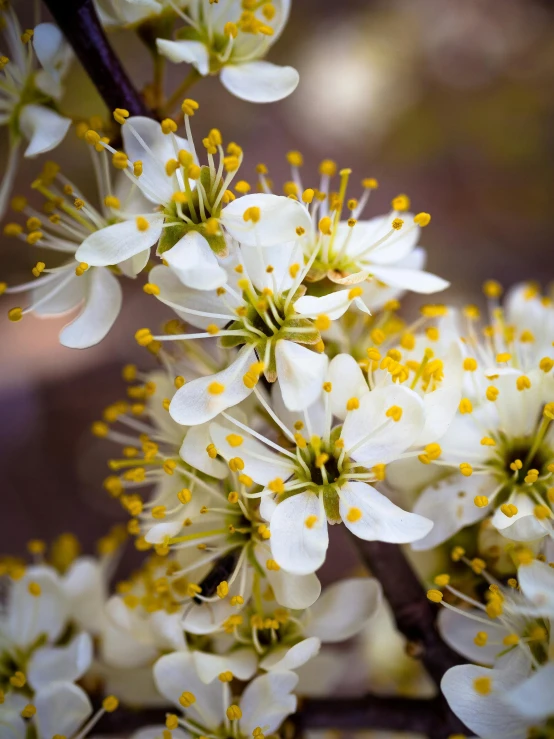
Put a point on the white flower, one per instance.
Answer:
(323, 476)
(512, 634)
(74, 224)
(28, 94)
(231, 41)
(131, 12)
(499, 449)
(211, 709)
(379, 253)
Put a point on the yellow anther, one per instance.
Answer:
(542, 512)
(171, 722)
(142, 223)
(216, 388)
(470, 364)
(321, 459)
(517, 464)
(481, 501)
(394, 412)
(482, 685)
(352, 404)
(29, 710)
(432, 333)
(322, 322)
(236, 464)
(308, 195)
(233, 497)
(225, 677)
(434, 595)
(13, 229)
(422, 219)
(492, 393)
(111, 202)
(187, 699)
(271, 564)
(457, 553)
(234, 440)
(487, 441)
(546, 364)
(354, 514)
(137, 168)
(277, 485)
(34, 237)
(401, 203)
(15, 314)
(168, 125)
(252, 214)
(442, 580)
(510, 640)
(492, 289)
(481, 639)
(38, 269)
(295, 158)
(81, 268)
(120, 160)
(120, 115)
(143, 337)
(465, 406)
(150, 289)
(328, 167)
(18, 680)
(355, 292)
(327, 387)
(377, 336)
(466, 469)
(234, 713)
(325, 226)
(110, 703)
(230, 30)
(397, 224)
(212, 329)
(478, 565)
(222, 589)
(548, 411)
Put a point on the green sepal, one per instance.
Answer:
(331, 503)
(289, 331)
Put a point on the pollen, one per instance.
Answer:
(322, 322)
(252, 214)
(481, 501)
(481, 639)
(352, 404)
(355, 292)
(271, 564)
(325, 225)
(401, 203)
(466, 469)
(422, 219)
(144, 337)
(29, 710)
(311, 521)
(394, 412)
(216, 388)
(492, 289)
(397, 224)
(354, 514)
(222, 589)
(184, 496)
(120, 115)
(15, 314)
(308, 195)
(435, 596)
(523, 383)
(142, 223)
(110, 703)
(492, 393)
(542, 512)
(234, 713)
(442, 580)
(470, 364)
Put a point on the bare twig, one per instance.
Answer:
(80, 25)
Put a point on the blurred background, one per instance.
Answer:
(450, 102)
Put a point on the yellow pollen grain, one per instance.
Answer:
(322, 322)
(394, 412)
(435, 596)
(481, 639)
(470, 364)
(311, 521)
(352, 404)
(234, 440)
(354, 514)
(466, 469)
(216, 388)
(482, 685)
(481, 501)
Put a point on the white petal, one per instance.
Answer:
(154, 182)
(9, 175)
(459, 631)
(408, 279)
(191, 52)
(383, 442)
(47, 40)
(175, 673)
(117, 243)
(343, 609)
(173, 291)
(167, 631)
(396, 248)
(61, 709)
(207, 618)
(347, 380)
(132, 266)
(195, 264)
(279, 257)
(29, 616)
(120, 649)
(524, 526)
(193, 451)
(290, 591)
(63, 300)
(291, 659)
(262, 471)
(486, 715)
(381, 519)
(44, 128)
(301, 373)
(193, 403)
(85, 586)
(259, 82)
(102, 305)
(267, 701)
(296, 547)
(279, 218)
(533, 698)
(449, 503)
(333, 305)
(242, 663)
(536, 581)
(67, 663)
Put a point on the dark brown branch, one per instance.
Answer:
(414, 615)
(419, 716)
(79, 23)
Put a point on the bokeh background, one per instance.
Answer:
(451, 102)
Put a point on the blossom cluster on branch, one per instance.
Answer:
(290, 394)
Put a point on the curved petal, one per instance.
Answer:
(102, 305)
(347, 380)
(298, 544)
(232, 444)
(85, 587)
(61, 709)
(194, 263)
(343, 609)
(242, 663)
(536, 581)
(524, 526)
(30, 616)
(376, 438)
(132, 266)
(67, 663)
(381, 519)
(486, 715)
(449, 503)
(290, 591)
(333, 305)
(119, 242)
(9, 174)
(459, 632)
(196, 402)
(533, 697)
(301, 373)
(63, 300)
(193, 452)
(267, 701)
(279, 218)
(260, 82)
(292, 658)
(408, 279)
(43, 127)
(191, 52)
(279, 258)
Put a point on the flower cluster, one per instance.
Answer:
(290, 394)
